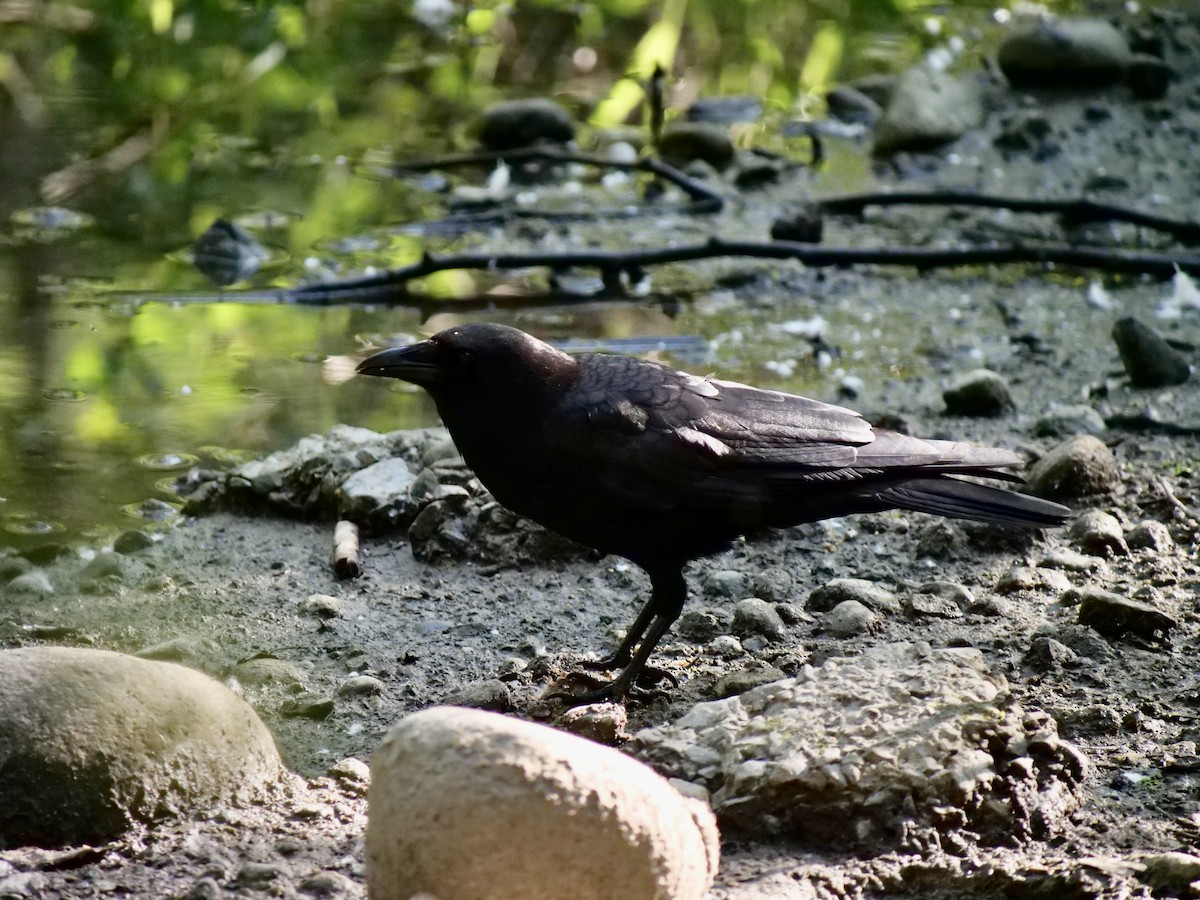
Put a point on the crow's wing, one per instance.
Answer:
(656, 438)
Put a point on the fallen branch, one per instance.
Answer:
(1074, 212)
(391, 286)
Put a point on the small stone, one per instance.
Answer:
(869, 594)
(1084, 53)
(1027, 130)
(465, 803)
(269, 670)
(803, 224)
(703, 625)
(259, 874)
(851, 105)
(104, 566)
(352, 774)
(728, 584)
(604, 723)
(1070, 561)
(727, 110)
(850, 619)
(927, 108)
(1115, 616)
(775, 583)
(980, 392)
(361, 686)
(181, 648)
(754, 616)
(328, 884)
(1024, 578)
(1148, 77)
(940, 539)
(1149, 360)
(938, 600)
(523, 123)
(492, 694)
(689, 141)
(34, 584)
(725, 646)
(1048, 655)
(13, 566)
(133, 541)
(1150, 534)
(1079, 467)
(1068, 421)
(307, 706)
(754, 674)
(322, 606)
(1098, 533)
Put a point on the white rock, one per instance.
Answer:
(91, 741)
(470, 804)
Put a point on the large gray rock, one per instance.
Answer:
(1080, 467)
(900, 740)
(927, 108)
(1085, 53)
(524, 123)
(469, 804)
(93, 741)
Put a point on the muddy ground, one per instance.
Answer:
(227, 593)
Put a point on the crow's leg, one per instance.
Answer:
(624, 655)
(668, 593)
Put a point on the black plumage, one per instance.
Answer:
(662, 467)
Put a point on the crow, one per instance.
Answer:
(662, 467)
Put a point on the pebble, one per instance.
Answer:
(727, 584)
(869, 594)
(1149, 361)
(322, 606)
(849, 104)
(361, 686)
(980, 392)
(523, 123)
(269, 670)
(307, 706)
(1084, 53)
(1148, 77)
(1115, 616)
(850, 619)
(755, 616)
(604, 723)
(938, 600)
(379, 495)
(691, 141)
(702, 625)
(1046, 654)
(1079, 467)
(754, 674)
(260, 875)
(1098, 533)
(725, 646)
(774, 583)
(1024, 578)
(491, 694)
(927, 108)
(104, 566)
(465, 803)
(1068, 421)
(328, 883)
(132, 541)
(727, 110)
(34, 584)
(352, 774)
(93, 741)
(1070, 561)
(1150, 534)
(13, 566)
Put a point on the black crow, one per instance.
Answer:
(662, 467)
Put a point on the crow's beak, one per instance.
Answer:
(417, 363)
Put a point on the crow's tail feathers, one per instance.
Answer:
(966, 500)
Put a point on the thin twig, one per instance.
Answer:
(1075, 211)
(1179, 505)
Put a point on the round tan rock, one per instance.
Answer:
(92, 741)
(469, 804)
